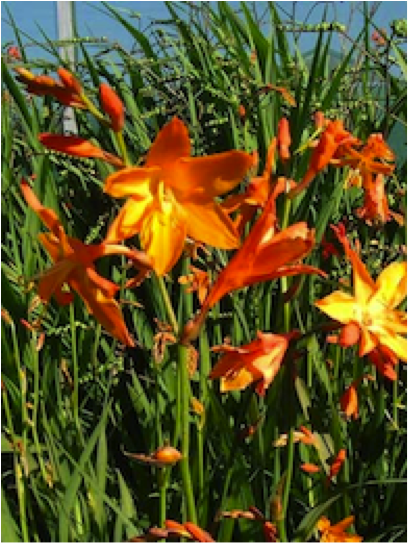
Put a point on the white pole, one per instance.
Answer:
(67, 52)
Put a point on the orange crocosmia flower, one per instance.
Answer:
(337, 532)
(371, 308)
(73, 145)
(264, 255)
(375, 208)
(74, 266)
(375, 157)
(67, 91)
(385, 360)
(173, 196)
(113, 106)
(257, 362)
(336, 465)
(304, 435)
(284, 139)
(331, 139)
(188, 530)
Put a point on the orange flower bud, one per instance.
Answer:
(69, 81)
(349, 402)
(349, 335)
(310, 468)
(167, 455)
(284, 139)
(113, 106)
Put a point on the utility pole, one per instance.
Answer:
(67, 52)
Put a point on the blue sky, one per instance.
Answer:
(92, 22)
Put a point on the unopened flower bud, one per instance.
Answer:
(113, 106)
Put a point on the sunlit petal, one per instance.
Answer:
(211, 225)
(203, 178)
(171, 143)
(339, 306)
(391, 285)
(139, 183)
(129, 220)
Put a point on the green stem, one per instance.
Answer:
(122, 147)
(94, 110)
(168, 305)
(36, 372)
(75, 369)
(185, 434)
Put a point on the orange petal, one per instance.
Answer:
(105, 309)
(211, 225)
(129, 220)
(391, 285)
(310, 468)
(339, 306)
(171, 143)
(204, 178)
(72, 145)
(136, 182)
(197, 533)
(47, 216)
(52, 279)
(162, 236)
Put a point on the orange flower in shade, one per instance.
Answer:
(68, 90)
(336, 465)
(331, 139)
(73, 145)
(257, 362)
(113, 106)
(375, 208)
(265, 255)
(173, 196)
(349, 399)
(304, 435)
(310, 468)
(188, 530)
(74, 266)
(375, 157)
(369, 315)
(337, 532)
(385, 360)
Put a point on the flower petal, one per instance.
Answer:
(236, 382)
(72, 145)
(396, 343)
(52, 279)
(136, 182)
(104, 308)
(211, 225)
(392, 285)
(203, 178)
(47, 216)
(339, 306)
(162, 236)
(129, 220)
(171, 143)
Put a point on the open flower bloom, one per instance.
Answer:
(257, 362)
(67, 91)
(369, 315)
(375, 157)
(173, 196)
(264, 255)
(375, 208)
(331, 139)
(337, 532)
(74, 266)
(79, 147)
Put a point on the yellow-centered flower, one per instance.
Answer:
(173, 196)
(369, 315)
